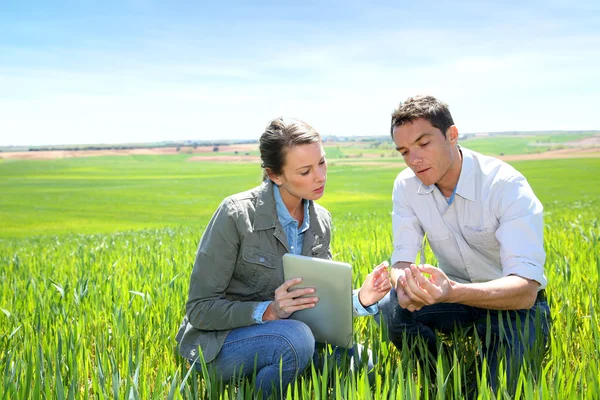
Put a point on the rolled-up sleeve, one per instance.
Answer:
(207, 307)
(358, 310)
(259, 311)
(408, 233)
(521, 232)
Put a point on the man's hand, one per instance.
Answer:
(415, 290)
(375, 286)
(397, 273)
(287, 302)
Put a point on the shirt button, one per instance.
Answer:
(261, 259)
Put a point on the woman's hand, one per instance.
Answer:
(375, 286)
(288, 301)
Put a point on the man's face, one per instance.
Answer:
(427, 152)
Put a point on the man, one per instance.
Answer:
(484, 225)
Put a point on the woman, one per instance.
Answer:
(238, 303)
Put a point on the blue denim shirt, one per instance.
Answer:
(294, 234)
(295, 238)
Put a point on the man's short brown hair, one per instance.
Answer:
(426, 107)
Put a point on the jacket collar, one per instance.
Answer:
(265, 216)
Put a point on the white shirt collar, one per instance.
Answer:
(465, 186)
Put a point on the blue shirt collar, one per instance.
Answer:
(284, 215)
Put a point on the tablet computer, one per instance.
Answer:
(331, 318)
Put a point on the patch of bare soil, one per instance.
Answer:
(345, 144)
(55, 154)
(240, 147)
(243, 158)
(593, 141)
(563, 153)
(51, 155)
(378, 164)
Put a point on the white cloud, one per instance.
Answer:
(340, 84)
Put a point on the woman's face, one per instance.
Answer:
(304, 173)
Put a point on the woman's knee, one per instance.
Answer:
(300, 342)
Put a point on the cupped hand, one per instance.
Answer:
(416, 290)
(288, 301)
(406, 302)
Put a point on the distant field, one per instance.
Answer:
(107, 194)
(498, 145)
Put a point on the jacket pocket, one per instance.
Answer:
(260, 266)
(255, 255)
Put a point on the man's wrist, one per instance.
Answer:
(397, 281)
(397, 272)
(454, 292)
(397, 284)
(394, 277)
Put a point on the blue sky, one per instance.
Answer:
(137, 71)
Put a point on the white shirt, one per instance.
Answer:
(493, 227)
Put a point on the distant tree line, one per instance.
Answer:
(88, 148)
(179, 146)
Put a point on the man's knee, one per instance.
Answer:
(521, 328)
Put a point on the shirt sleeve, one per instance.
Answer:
(521, 232)
(257, 314)
(408, 233)
(359, 310)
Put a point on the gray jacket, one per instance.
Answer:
(239, 265)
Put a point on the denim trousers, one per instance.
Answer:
(516, 334)
(277, 351)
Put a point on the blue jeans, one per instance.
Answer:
(517, 334)
(265, 346)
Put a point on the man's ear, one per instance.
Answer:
(452, 134)
(274, 177)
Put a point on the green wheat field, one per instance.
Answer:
(96, 253)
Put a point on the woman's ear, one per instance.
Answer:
(274, 177)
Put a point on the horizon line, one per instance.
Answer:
(207, 142)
